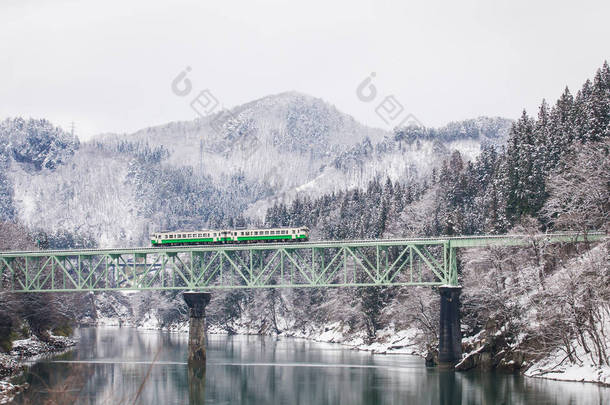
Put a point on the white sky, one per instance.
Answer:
(108, 65)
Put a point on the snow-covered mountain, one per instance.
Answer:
(295, 143)
(282, 139)
(117, 188)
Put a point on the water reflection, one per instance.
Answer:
(196, 385)
(116, 366)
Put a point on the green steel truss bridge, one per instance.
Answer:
(384, 262)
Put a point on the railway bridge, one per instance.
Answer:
(201, 269)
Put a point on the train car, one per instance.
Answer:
(224, 236)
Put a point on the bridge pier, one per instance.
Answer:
(197, 301)
(450, 334)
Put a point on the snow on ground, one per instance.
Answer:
(8, 391)
(24, 350)
(557, 366)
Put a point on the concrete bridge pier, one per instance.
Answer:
(197, 301)
(450, 334)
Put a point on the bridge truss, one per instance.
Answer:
(390, 262)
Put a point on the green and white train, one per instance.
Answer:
(226, 236)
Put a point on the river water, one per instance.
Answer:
(129, 366)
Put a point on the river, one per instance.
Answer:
(127, 366)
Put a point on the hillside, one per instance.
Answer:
(116, 189)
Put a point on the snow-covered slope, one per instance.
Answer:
(117, 188)
(281, 139)
(295, 143)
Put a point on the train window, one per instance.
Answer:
(293, 231)
(266, 232)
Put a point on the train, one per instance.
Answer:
(229, 236)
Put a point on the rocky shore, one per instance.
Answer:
(12, 364)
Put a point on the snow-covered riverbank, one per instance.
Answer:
(406, 341)
(390, 341)
(22, 351)
(557, 367)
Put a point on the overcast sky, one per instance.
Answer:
(108, 65)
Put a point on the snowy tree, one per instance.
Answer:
(580, 191)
